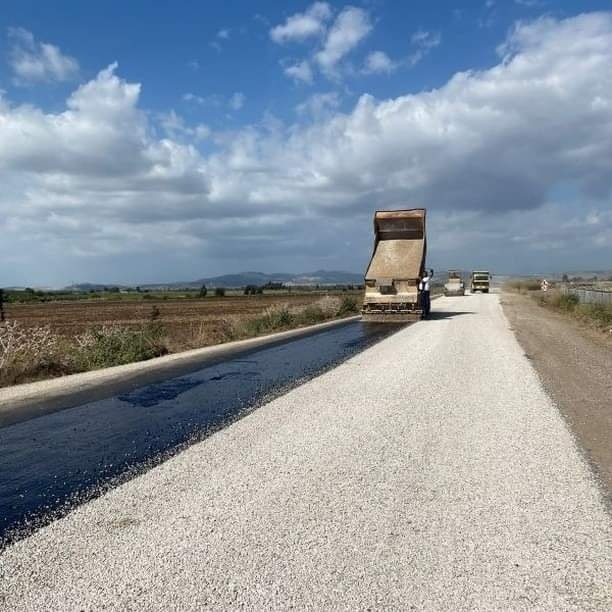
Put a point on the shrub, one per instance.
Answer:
(348, 306)
(220, 292)
(273, 318)
(568, 302)
(312, 314)
(600, 313)
(29, 353)
(107, 346)
(203, 291)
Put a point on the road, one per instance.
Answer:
(574, 364)
(51, 463)
(428, 472)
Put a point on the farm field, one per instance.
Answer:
(188, 322)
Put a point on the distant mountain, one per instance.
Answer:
(241, 279)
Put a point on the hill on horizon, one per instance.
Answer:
(242, 279)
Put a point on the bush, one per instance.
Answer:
(274, 318)
(220, 292)
(29, 353)
(312, 314)
(600, 313)
(107, 346)
(568, 302)
(348, 306)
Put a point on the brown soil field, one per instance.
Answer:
(189, 322)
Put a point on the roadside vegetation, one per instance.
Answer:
(599, 315)
(29, 353)
(594, 315)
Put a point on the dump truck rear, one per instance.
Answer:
(396, 266)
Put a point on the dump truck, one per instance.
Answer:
(454, 285)
(480, 281)
(396, 266)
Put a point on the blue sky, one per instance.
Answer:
(147, 141)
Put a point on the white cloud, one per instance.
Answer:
(505, 159)
(237, 100)
(378, 62)
(319, 104)
(423, 42)
(300, 72)
(212, 100)
(301, 26)
(175, 127)
(351, 26)
(34, 61)
(224, 33)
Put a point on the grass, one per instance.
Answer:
(599, 315)
(280, 318)
(38, 352)
(523, 286)
(35, 353)
(594, 315)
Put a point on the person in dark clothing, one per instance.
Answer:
(424, 288)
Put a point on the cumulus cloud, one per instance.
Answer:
(301, 26)
(378, 62)
(33, 61)
(351, 26)
(301, 71)
(486, 153)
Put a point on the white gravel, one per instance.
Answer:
(429, 472)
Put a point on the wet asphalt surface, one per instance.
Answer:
(51, 463)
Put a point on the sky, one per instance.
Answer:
(152, 142)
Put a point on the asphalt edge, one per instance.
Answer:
(23, 402)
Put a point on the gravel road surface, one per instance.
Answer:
(429, 472)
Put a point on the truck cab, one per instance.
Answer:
(480, 281)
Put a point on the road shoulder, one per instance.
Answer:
(575, 369)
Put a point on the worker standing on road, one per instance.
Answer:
(424, 287)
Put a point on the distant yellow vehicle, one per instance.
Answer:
(454, 285)
(396, 266)
(480, 281)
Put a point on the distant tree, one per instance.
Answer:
(252, 290)
(271, 285)
(565, 278)
(203, 291)
(138, 289)
(1, 305)
(259, 291)
(220, 291)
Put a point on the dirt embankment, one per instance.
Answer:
(575, 366)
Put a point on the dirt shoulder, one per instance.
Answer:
(575, 367)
